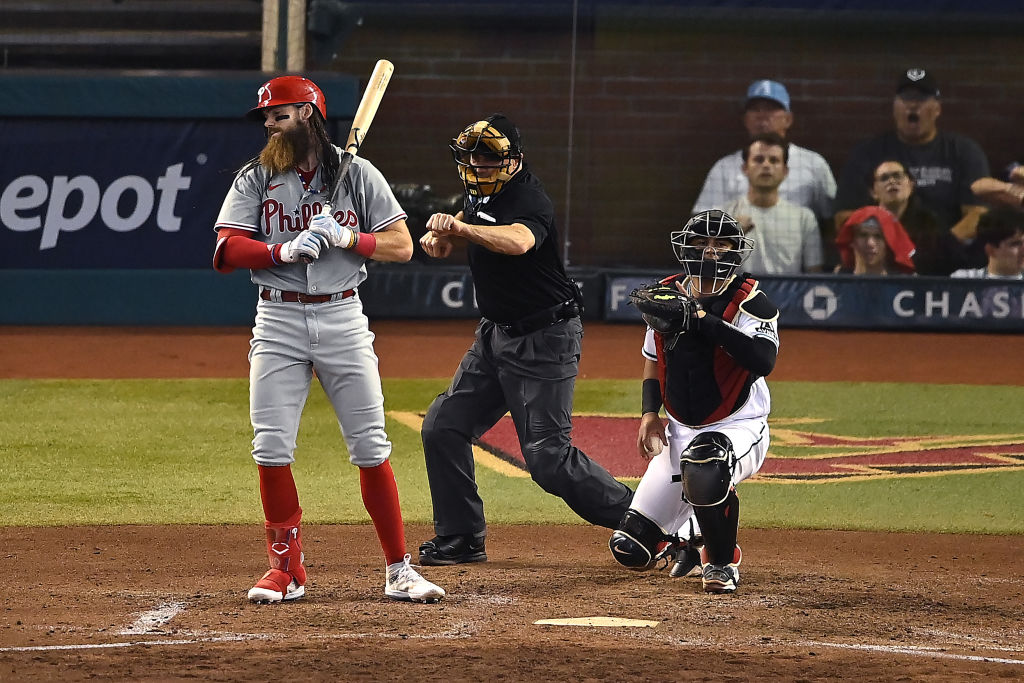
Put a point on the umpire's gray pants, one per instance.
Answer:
(533, 377)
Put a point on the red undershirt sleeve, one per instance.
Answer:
(236, 249)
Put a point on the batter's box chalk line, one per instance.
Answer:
(919, 651)
(598, 621)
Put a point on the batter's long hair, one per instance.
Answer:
(325, 151)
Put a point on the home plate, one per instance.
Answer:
(597, 621)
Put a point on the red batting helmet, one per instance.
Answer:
(289, 90)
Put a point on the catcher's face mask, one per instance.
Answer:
(486, 157)
(711, 246)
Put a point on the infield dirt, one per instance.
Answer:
(168, 603)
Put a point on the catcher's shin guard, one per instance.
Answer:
(720, 525)
(637, 542)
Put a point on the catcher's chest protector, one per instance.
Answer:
(700, 382)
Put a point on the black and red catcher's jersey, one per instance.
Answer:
(701, 383)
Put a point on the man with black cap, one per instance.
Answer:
(810, 183)
(943, 164)
(525, 356)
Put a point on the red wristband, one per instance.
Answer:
(366, 244)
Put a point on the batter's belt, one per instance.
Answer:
(303, 298)
(541, 319)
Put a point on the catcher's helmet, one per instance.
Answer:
(288, 90)
(496, 137)
(699, 258)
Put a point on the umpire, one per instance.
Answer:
(524, 357)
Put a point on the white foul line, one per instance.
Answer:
(235, 637)
(912, 650)
(231, 637)
(102, 646)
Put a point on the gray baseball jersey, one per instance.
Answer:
(276, 209)
(291, 340)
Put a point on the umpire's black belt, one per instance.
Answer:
(541, 319)
(302, 297)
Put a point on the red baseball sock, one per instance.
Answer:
(380, 496)
(277, 490)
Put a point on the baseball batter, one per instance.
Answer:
(308, 268)
(707, 369)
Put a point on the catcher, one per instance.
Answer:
(710, 341)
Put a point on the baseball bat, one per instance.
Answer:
(372, 96)
(367, 109)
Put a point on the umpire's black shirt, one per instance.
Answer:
(510, 288)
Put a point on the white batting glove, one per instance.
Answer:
(306, 246)
(337, 235)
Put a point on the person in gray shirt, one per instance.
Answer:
(810, 182)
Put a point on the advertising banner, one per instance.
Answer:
(896, 303)
(410, 291)
(116, 194)
(190, 296)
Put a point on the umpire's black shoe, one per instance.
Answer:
(445, 550)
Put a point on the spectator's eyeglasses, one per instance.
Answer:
(886, 177)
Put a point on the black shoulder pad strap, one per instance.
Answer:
(757, 305)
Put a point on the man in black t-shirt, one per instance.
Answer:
(943, 164)
(524, 357)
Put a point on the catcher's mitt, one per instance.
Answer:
(665, 308)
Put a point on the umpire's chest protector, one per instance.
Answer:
(701, 383)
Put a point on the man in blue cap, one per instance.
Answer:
(810, 182)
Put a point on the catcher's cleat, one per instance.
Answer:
(405, 583)
(276, 586)
(687, 562)
(720, 578)
(447, 550)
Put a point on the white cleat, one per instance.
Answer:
(271, 588)
(405, 583)
(720, 578)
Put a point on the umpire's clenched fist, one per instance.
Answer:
(445, 224)
(436, 246)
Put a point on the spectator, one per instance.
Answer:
(1001, 232)
(1010, 192)
(944, 164)
(787, 236)
(810, 182)
(938, 251)
(872, 242)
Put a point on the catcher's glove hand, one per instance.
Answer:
(665, 308)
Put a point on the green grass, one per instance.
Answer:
(177, 451)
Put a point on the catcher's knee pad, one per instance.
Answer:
(634, 544)
(706, 469)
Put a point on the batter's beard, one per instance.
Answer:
(283, 152)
